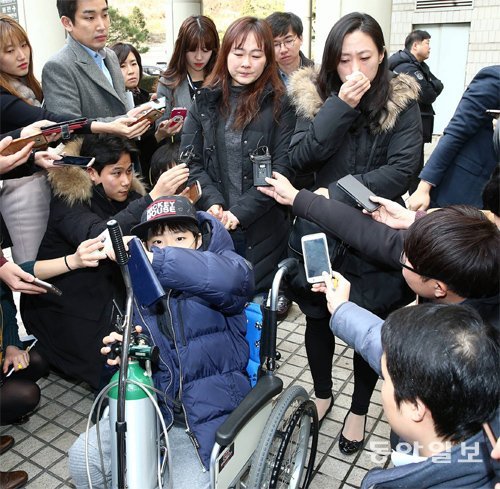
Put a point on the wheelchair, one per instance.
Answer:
(270, 439)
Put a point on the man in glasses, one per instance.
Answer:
(451, 255)
(287, 32)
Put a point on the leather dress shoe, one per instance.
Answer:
(13, 480)
(6, 442)
(284, 305)
(348, 447)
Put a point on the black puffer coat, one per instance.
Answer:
(430, 87)
(332, 140)
(264, 222)
(70, 328)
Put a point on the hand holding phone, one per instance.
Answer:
(316, 257)
(18, 144)
(193, 192)
(358, 192)
(337, 289)
(178, 114)
(59, 127)
(48, 287)
(150, 115)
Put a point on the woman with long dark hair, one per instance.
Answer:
(193, 58)
(240, 112)
(355, 117)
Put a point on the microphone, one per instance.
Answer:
(115, 233)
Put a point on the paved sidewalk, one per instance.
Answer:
(42, 443)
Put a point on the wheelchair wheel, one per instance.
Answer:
(281, 458)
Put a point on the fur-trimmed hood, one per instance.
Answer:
(74, 184)
(303, 92)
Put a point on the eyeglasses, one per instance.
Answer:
(402, 262)
(287, 43)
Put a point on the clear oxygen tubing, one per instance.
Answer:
(98, 402)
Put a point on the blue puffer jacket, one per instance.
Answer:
(203, 359)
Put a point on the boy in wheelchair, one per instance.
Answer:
(200, 330)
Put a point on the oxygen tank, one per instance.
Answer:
(142, 431)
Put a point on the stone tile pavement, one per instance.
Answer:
(42, 442)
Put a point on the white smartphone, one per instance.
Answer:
(316, 257)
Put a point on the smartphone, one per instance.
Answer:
(81, 161)
(194, 192)
(149, 114)
(316, 257)
(18, 144)
(158, 103)
(493, 112)
(57, 128)
(357, 191)
(48, 287)
(178, 114)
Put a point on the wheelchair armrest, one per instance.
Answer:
(266, 388)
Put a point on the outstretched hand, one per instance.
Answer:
(391, 213)
(337, 289)
(170, 181)
(18, 280)
(281, 190)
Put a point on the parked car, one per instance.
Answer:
(152, 70)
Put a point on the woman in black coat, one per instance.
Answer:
(240, 112)
(355, 118)
(70, 328)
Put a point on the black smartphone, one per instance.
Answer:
(357, 191)
(316, 258)
(48, 287)
(81, 161)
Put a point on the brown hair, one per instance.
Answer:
(11, 31)
(196, 31)
(250, 99)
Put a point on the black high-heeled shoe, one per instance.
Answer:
(348, 447)
(330, 407)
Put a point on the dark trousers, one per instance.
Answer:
(320, 348)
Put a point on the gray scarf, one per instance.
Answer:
(25, 92)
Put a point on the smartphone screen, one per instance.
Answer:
(81, 161)
(316, 258)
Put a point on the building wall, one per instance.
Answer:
(484, 34)
(46, 34)
(329, 11)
